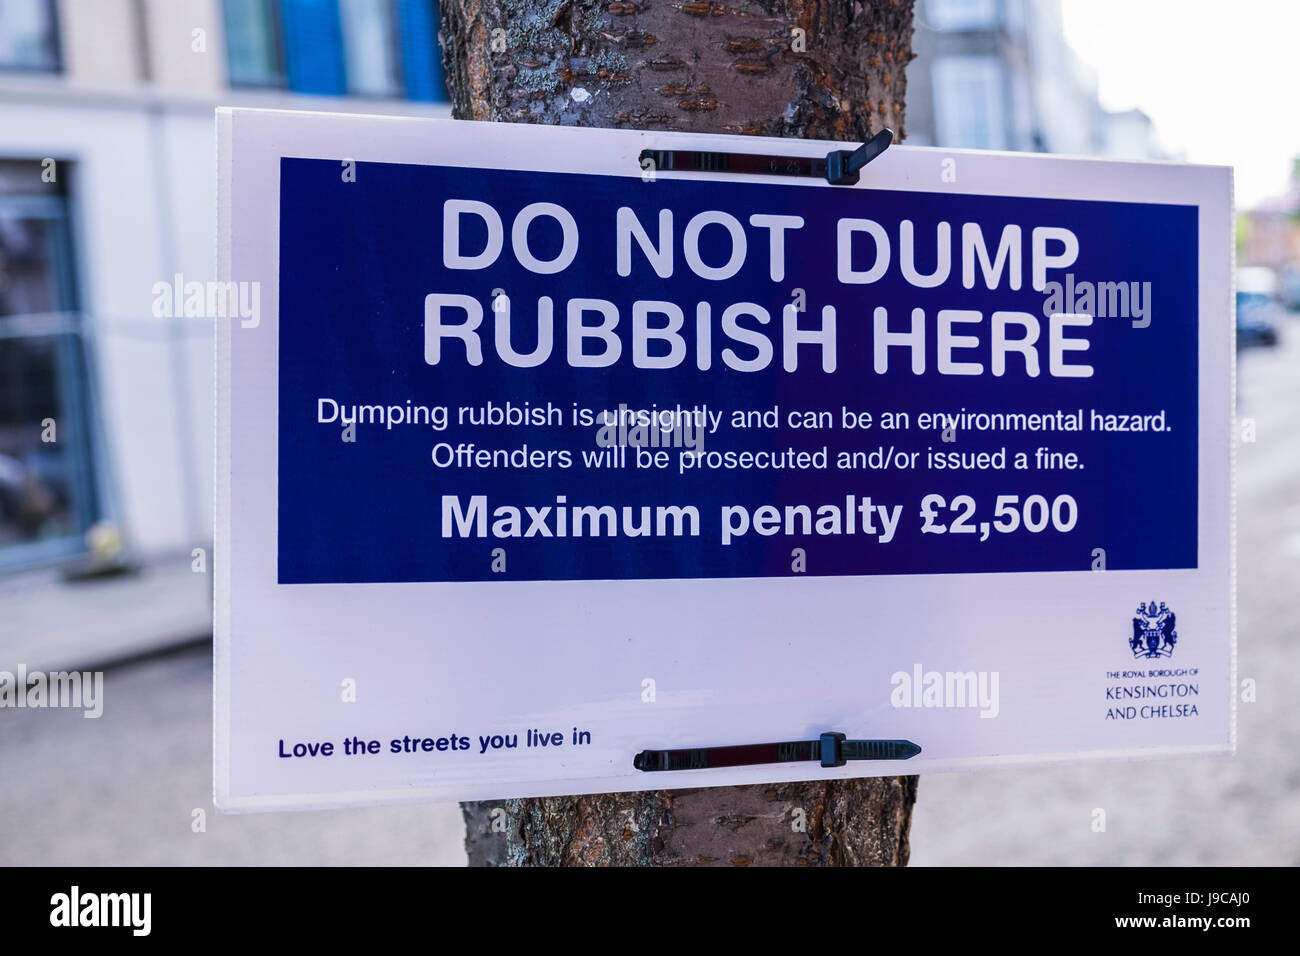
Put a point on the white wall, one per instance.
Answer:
(178, 59)
(100, 42)
(119, 238)
(191, 197)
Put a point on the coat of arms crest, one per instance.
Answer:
(1153, 631)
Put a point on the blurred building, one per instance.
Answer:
(1272, 234)
(1130, 134)
(108, 187)
(998, 74)
(1269, 236)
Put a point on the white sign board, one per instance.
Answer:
(535, 456)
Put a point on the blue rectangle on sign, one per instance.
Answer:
(873, 387)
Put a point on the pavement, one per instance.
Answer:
(44, 614)
(123, 789)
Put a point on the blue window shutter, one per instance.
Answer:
(313, 42)
(421, 57)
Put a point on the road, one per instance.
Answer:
(123, 789)
(1240, 810)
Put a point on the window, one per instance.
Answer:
(421, 55)
(48, 492)
(962, 14)
(370, 47)
(969, 102)
(28, 35)
(313, 39)
(378, 48)
(253, 43)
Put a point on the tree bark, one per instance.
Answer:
(826, 69)
(818, 823)
(739, 67)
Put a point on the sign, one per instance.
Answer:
(536, 457)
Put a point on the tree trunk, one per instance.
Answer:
(827, 69)
(831, 69)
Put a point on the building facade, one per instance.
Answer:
(107, 189)
(999, 74)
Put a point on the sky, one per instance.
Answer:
(1220, 79)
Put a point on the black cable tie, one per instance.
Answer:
(840, 167)
(832, 749)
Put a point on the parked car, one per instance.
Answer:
(1258, 309)
(1289, 288)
